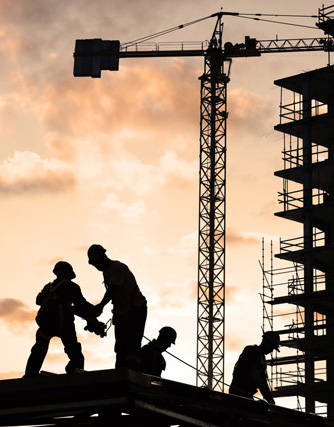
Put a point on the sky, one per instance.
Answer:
(115, 161)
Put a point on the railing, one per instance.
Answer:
(326, 13)
(295, 377)
(295, 199)
(296, 284)
(294, 157)
(165, 46)
(294, 110)
(297, 244)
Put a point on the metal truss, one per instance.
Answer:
(211, 263)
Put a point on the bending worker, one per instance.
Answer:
(129, 306)
(59, 301)
(152, 361)
(250, 371)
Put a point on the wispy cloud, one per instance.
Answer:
(241, 238)
(249, 111)
(26, 171)
(174, 295)
(186, 247)
(14, 312)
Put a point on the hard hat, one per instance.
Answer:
(169, 333)
(64, 269)
(273, 337)
(95, 251)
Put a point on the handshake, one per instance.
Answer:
(96, 327)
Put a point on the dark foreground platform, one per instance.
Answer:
(126, 398)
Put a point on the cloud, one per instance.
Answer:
(26, 171)
(234, 343)
(174, 295)
(146, 98)
(138, 181)
(131, 211)
(187, 246)
(14, 312)
(234, 238)
(249, 111)
(148, 251)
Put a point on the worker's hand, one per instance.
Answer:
(98, 309)
(96, 327)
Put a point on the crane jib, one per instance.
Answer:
(93, 55)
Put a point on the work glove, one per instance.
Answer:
(96, 327)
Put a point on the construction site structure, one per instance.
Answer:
(93, 55)
(299, 298)
(125, 398)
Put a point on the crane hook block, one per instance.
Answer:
(93, 55)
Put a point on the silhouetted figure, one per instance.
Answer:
(129, 306)
(250, 371)
(59, 301)
(152, 361)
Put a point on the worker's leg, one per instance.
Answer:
(72, 348)
(136, 326)
(121, 330)
(37, 355)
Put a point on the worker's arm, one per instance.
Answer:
(81, 307)
(266, 393)
(106, 298)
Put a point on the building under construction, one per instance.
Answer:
(305, 368)
(299, 297)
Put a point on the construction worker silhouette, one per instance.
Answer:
(250, 371)
(152, 361)
(59, 301)
(129, 306)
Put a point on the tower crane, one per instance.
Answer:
(93, 55)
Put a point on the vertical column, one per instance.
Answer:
(329, 237)
(308, 238)
(211, 262)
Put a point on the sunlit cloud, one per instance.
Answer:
(14, 312)
(26, 171)
(174, 295)
(187, 246)
(248, 111)
(242, 238)
(148, 251)
(130, 211)
(234, 343)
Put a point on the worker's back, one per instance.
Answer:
(249, 372)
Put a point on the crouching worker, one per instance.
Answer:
(59, 301)
(152, 361)
(250, 371)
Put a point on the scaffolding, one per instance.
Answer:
(298, 298)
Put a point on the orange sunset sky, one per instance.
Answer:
(115, 161)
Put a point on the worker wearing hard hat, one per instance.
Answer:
(250, 371)
(129, 306)
(59, 301)
(152, 361)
